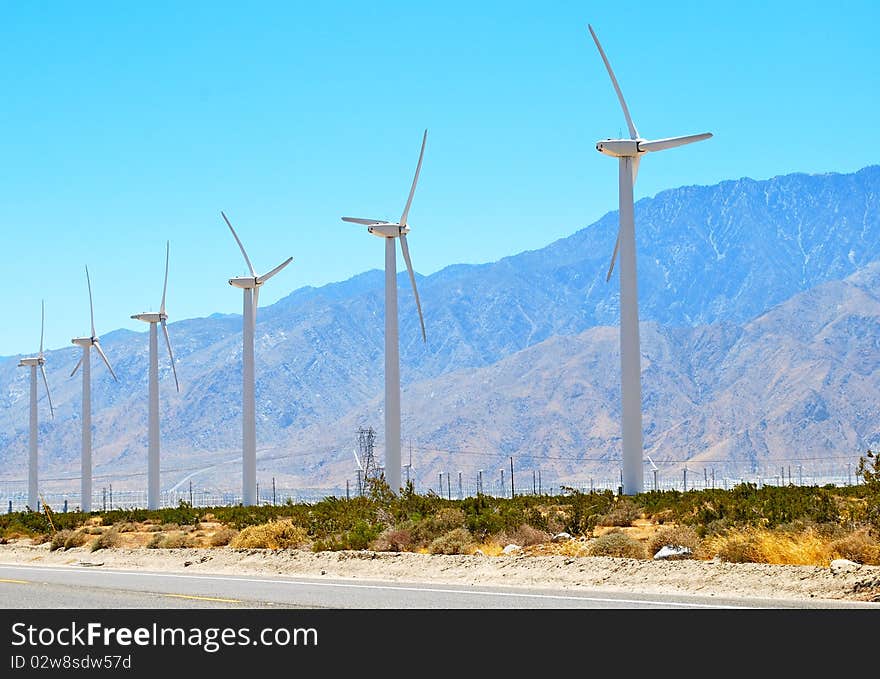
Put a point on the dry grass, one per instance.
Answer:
(456, 541)
(673, 536)
(617, 543)
(803, 548)
(222, 537)
(859, 546)
(108, 538)
(274, 535)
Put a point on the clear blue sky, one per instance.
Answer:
(126, 124)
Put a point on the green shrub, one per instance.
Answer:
(622, 513)
(456, 541)
(617, 543)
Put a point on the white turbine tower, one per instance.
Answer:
(389, 231)
(33, 363)
(250, 286)
(629, 152)
(85, 361)
(153, 318)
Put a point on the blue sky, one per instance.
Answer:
(126, 124)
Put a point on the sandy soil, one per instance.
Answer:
(852, 582)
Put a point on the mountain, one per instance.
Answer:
(711, 259)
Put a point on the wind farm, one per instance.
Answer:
(503, 395)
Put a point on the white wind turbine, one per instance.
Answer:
(629, 152)
(250, 286)
(389, 231)
(85, 361)
(33, 363)
(153, 318)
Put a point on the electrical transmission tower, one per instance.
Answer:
(366, 458)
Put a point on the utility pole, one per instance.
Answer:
(656, 485)
(512, 491)
(273, 491)
(479, 482)
(685, 480)
(448, 486)
(258, 493)
(347, 496)
(502, 482)
(104, 498)
(713, 478)
(191, 493)
(800, 474)
(705, 478)
(111, 497)
(460, 489)
(440, 490)
(534, 483)
(540, 491)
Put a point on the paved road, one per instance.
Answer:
(95, 587)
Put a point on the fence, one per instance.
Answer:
(501, 480)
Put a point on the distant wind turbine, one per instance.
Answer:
(250, 286)
(153, 446)
(33, 363)
(629, 152)
(389, 231)
(85, 361)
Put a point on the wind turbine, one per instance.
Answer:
(389, 231)
(629, 153)
(250, 286)
(33, 363)
(85, 361)
(153, 446)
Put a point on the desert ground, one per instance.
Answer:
(524, 567)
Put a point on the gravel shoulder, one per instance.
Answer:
(851, 582)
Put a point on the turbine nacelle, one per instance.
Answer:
(31, 361)
(619, 148)
(84, 341)
(151, 317)
(388, 230)
(244, 282)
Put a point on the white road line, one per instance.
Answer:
(402, 588)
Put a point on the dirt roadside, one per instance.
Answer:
(707, 578)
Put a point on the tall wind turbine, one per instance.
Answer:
(33, 363)
(250, 286)
(154, 318)
(629, 153)
(389, 231)
(85, 361)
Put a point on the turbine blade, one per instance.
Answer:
(237, 240)
(165, 286)
(48, 395)
(412, 279)
(91, 305)
(633, 132)
(266, 276)
(366, 222)
(613, 256)
(671, 142)
(170, 355)
(42, 324)
(415, 181)
(104, 357)
(78, 364)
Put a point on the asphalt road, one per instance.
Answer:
(94, 587)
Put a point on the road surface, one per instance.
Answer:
(95, 587)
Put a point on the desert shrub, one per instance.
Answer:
(456, 541)
(168, 527)
(173, 540)
(76, 539)
(153, 528)
(622, 513)
(617, 543)
(126, 527)
(273, 535)
(92, 530)
(674, 536)
(109, 538)
(59, 539)
(394, 540)
(735, 547)
(445, 520)
(585, 509)
(40, 538)
(859, 546)
(222, 537)
(524, 536)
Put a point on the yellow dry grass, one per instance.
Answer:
(273, 535)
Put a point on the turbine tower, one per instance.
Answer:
(85, 361)
(153, 446)
(250, 286)
(389, 231)
(33, 363)
(629, 152)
